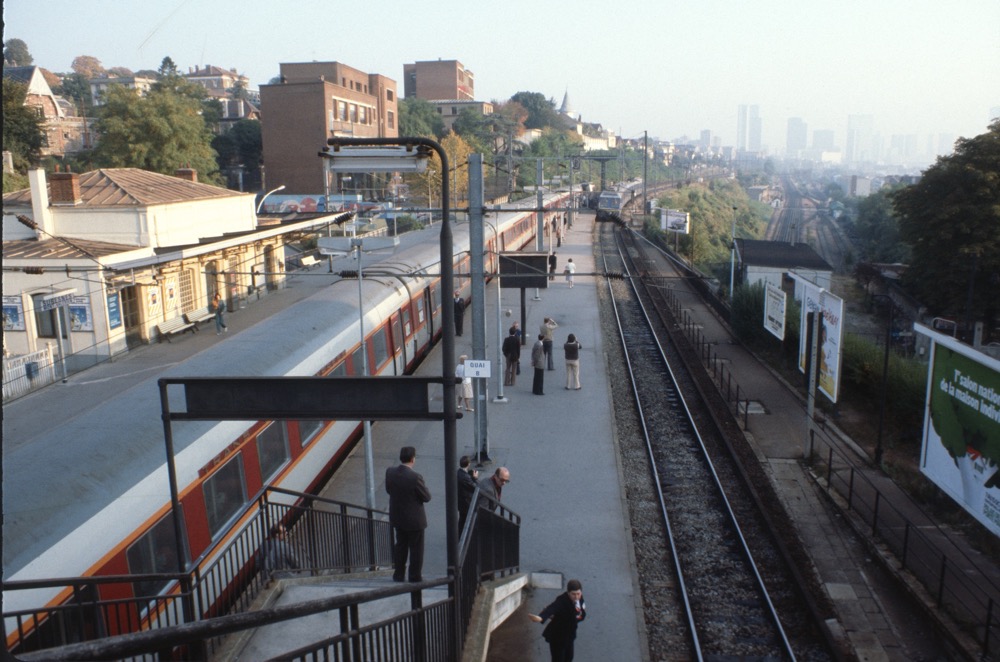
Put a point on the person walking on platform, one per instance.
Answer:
(459, 313)
(565, 612)
(407, 496)
(218, 306)
(511, 349)
(538, 363)
(572, 349)
(466, 488)
(569, 271)
(548, 326)
(552, 265)
(491, 487)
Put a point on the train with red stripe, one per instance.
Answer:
(221, 467)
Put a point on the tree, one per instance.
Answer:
(23, 136)
(877, 229)
(76, 87)
(241, 145)
(88, 66)
(541, 111)
(121, 72)
(951, 219)
(162, 132)
(15, 54)
(168, 67)
(420, 118)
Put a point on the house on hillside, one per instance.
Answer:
(65, 132)
(97, 262)
(759, 261)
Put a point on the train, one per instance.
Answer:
(609, 205)
(112, 457)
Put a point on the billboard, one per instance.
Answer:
(831, 333)
(774, 310)
(960, 449)
(672, 220)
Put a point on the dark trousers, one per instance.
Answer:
(459, 323)
(509, 372)
(538, 386)
(408, 543)
(562, 651)
(547, 348)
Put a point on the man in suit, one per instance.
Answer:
(407, 496)
(459, 313)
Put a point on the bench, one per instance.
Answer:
(172, 326)
(202, 314)
(308, 261)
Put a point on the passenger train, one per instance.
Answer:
(112, 458)
(609, 205)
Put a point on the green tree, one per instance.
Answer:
(15, 54)
(121, 72)
(541, 111)
(76, 87)
(475, 128)
(88, 66)
(161, 132)
(23, 136)
(167, 67)
(420, 118)
(951, 220)
(878, 229)
(241, 145)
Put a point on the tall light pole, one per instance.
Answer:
(732, 260)
(274, 190)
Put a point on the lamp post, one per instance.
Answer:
(274, 190)
(732, 261)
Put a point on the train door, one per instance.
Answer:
(270, 268)
(399, 349)
(132, 315)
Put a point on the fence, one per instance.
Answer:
(23, 374)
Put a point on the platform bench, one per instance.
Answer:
(172, 326)
(202, 314)
(308, 261)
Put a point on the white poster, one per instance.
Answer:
(774, 310)
(961, 440)
(831, 330)
(672, 220)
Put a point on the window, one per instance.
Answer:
(380, 348)
(272, 449)
(391, 119)
(397, 334)
(225, 493)
(308, 431)
(388, 95)
(407, 324)
(186, 281)
(354, 113)
(155, 552)
(362, 115)
(342, 111)
(45, 320)
(357, 362)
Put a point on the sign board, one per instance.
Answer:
(475, 368)
(960, 450)
(524, 270)
(831, 332)
(774, 310)
(672, 220)
(56, 300)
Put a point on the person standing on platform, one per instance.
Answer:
(515, 330)
(552, 265)
(492, 486)
(407, 496)
(467, 476)
(459, 313)
(465, 393)
(569, 271)
(572, 349)
(511, 349)
(565, 612)
(548, 326)
(218, 307)
(538, 363)
(278, 554)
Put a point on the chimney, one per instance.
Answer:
(40, 203)
(65, 188)
(187, 174)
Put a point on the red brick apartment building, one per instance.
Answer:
(438, 79)
(316, 101)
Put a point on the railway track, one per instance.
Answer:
(714, 581)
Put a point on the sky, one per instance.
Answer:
(665, 67)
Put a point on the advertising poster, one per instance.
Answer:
(80, 317)
(831, 331)
(114, 310)
(774, 310)
(170, 299)
(672, 220)
(154, 306)
(961, 441)
(13, 314)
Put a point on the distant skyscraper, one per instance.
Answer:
(797, 137)
(860, 139)
(706, 140)
(748, 128)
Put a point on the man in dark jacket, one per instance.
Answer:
(459, 313)
(511, 349)
(566, 612)
(492, 486)
(407, 496)
(466, 488)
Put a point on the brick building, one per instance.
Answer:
(313, 102)
(438, 79)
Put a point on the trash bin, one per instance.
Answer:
(31, 369)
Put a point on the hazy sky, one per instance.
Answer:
(667, 67)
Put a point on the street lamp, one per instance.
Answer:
(732, 261)
(329, 246)
(274, 190)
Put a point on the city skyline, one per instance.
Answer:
(789, 59)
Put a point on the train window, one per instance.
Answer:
(154, 552)
(357, 362)
(272, 449)
(380, 347)
(339, 370)
(397, 334)
(407, 321)
(225, 493)
(309, 430)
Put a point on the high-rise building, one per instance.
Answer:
(797, 137)
(860, 139)
(748, 128)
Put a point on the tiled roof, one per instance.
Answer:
(20, 74)
(131, 187)
(780, 254)
(53, 249)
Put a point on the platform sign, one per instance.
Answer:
(524, 270)
(960, 449)
(774, 310)
(672, 220)
(56, 300)
(475, 368)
